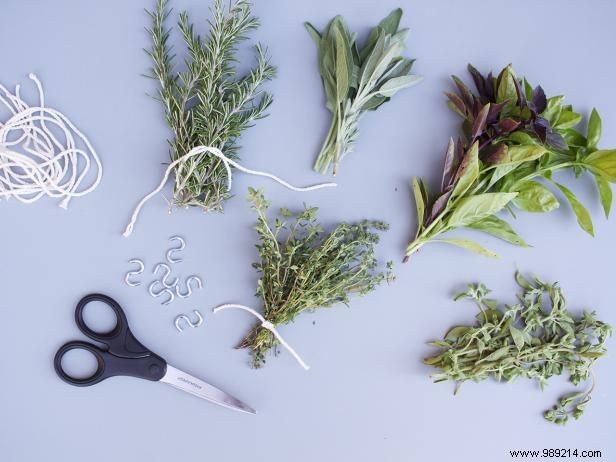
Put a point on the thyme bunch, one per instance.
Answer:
(530, 339)
(512, 136)
(357, 79)
(304, 268)
(208, 104)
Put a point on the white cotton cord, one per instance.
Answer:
(267, 325)
(40, 153)
(200, 150)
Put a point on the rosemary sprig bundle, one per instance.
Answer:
(512, 136)
(358, 80)
(304, 268)
(207, 104)
(531, 339)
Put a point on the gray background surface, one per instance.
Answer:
(368, 396)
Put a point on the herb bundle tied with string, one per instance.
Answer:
(304, 268)
(514, 139)
(207, 104)
(537, 338)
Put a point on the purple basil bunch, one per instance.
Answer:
(513, 139)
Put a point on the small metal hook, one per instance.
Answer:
(181, 317)
(165, 290)
(131, 273)
(168, 285)
(170, 259)
(188, 287)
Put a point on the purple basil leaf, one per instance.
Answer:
(477, 106)
(438, 206)
(465, 93)
(539, 102)
(508, 125)
(541, 127)
(494, 153)
(555, 140)
(480, 82)
(457, 102)
(480, 122)
(490, 88)
(449, 166)
(495, 109)
(521, 96)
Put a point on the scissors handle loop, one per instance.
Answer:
(120, 341)
(123, 355)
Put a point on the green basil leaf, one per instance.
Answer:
(474, 208)
(521, 153)
(605, 194)
(581, 213)
(499, 172)
(469, 245)
(522, 138)
(535, 197)
(506, 91)
(389, 88)
(594, 130)
(468, 171)
(603, 162)
(498, 228)
(568, 119)
(553, 109)
(419, 203)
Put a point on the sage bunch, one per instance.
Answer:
(514, 139)
(533, 339)
(358, 79)
(208, 104)
(304, 268)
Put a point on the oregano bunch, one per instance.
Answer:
(304, 268)
(208, 104)
(358, 79)
(536, 338)
(513, 140)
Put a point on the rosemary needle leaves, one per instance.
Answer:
(531, 339)
(512, 136)
(304, 268)
(358, 80)
(207, 104)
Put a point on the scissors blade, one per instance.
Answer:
(190, 384)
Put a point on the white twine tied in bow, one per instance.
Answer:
(200, 150)
(50, 160)
(267, 325)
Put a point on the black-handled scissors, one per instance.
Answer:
(125, 355)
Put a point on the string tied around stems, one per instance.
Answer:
(228, 163)
(41, 152)
(266, 325)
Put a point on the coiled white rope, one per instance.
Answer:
(200, 150)
(267, 325)
(50, 161)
